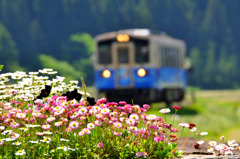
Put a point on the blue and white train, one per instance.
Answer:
(140, 66)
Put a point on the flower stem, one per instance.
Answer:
(174, 116)
(180, 136)
(185, 141)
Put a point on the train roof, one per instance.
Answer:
(139, 33)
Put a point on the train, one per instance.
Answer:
(140, 66)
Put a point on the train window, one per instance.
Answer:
(170, 57)
(122, 55)
(141, 51)
(104, 53)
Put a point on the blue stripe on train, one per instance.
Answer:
(156, 77)
(171, 77)
(102, 83)
(146, 81)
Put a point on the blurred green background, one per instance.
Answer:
(59, 34)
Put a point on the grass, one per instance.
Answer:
(215, 112)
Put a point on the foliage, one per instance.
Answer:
(1, 67)
(8, 51)
(86, 40)
(63, 67)
(65, 30)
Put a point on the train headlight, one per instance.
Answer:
(123, 38)
(106, 73)
(141, 72)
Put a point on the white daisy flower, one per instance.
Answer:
(204, 133)
(20, 152)
(166, 110)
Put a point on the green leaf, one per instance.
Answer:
(1, 67)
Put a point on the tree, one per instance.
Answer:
(8, 51)
(63, 67)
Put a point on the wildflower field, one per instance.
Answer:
(41, 116)
(214, 111)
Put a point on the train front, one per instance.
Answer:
(121, 66)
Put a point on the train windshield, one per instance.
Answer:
(122, 55)
(142, 51)
(104, 53)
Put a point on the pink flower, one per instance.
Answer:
(122, 102)
(157, 139)
(176, 107)
(57, 124)
(144, 154)
(100, 116)
(14, 125)
(7, 107)
(151, 117)
(100, 145)
(154, 127)
(114, 119)
(2, 128)
(82, 103)
(15, 136)
(131, 122)
(134, 117)
(143, 110)
(74, 125)
(103, 100)
(59, 112)
(105, 111)
(105, 120)
(146, 106)
(46, 108)
(39, 101)
(74, 115)
(81, 133)
(96, 109)
(82, 111)
(40, 133)
(20, 115)
(46, 127)
(51, 119)
(36, 114)
(191, 125)
(27, 111)
(133, 129)
(117, 125)
(184, 124)
(117, 133)
(139, 154)
(82, 118)
(68, 129)
(1, 142)
(86, 131)
(57, 108)
(112, 103)
(17, 110)
(19, 103)
(90, 126)
(98, 122)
